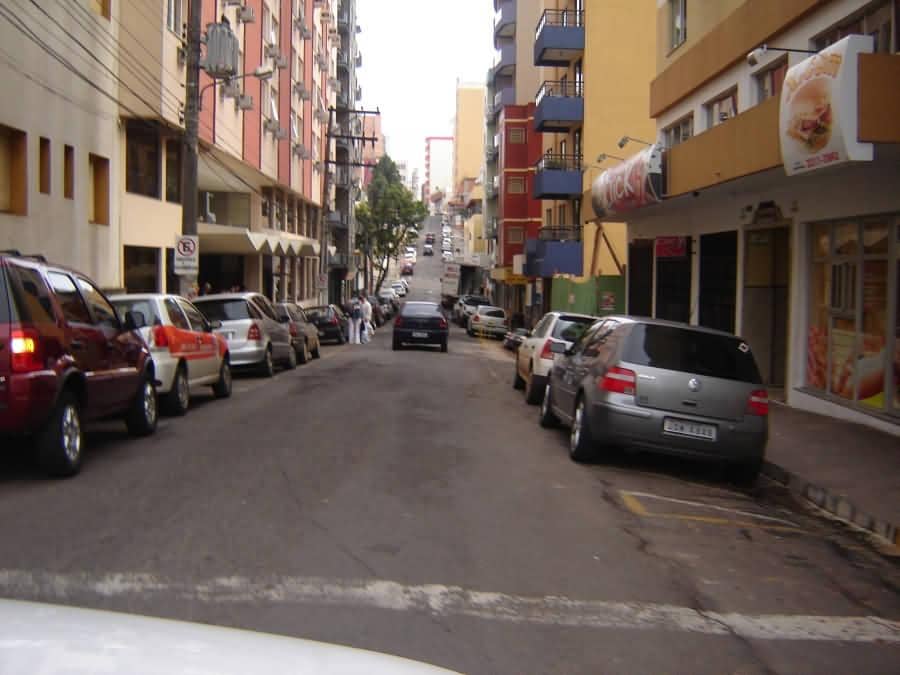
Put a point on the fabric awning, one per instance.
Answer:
(224, 239)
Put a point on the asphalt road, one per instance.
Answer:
(408, 502)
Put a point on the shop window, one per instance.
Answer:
(561, 219)
(677, 23)
(174, 14)
(548, 219)
(770, 80)
(679, 132)
(515, 235)
(173, 171)
(721, 109)
(44, 166)
(516, 136)
(69, 172)
(515, 185)
(13, 170)
(101, 7)
(142, 161)
(99, 185)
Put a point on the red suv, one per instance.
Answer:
(66, 357)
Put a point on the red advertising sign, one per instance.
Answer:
(671, 247)
(634, 183)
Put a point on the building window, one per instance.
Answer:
(515, 185)
(548, 219)
(44, 166)
(721, 109)
(515, 234)
(878, 21)
(677, 22)
(769, 81)
(173, 171)
(517, 135)
(561, 209)
(679, 132)
(99, 184)
(13, 171)
(69, 172)
(141, 269)
(174, 16)
(142, 166)
(101, 7)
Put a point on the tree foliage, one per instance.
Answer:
(389, 221)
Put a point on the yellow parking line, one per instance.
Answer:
(634, 505)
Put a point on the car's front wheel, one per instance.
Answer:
(581, 446)
(59, 442)
(143, 414)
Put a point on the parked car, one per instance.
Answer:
(186, 351)
(466, 306)
(407, 269)
(447, 256)
(399, 288)
(421, 323)
(330, 321)
(427, 249)
(256, 338)
(304, 335)
(429, 238)
(660, 386)
(67, 357)
(391, 296)
(488, 320)
(534, 358)
(514, 338)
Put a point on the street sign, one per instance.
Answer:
(187, 255)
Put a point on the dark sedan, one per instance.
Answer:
(330, 321)
(421, 323)
(304, 335)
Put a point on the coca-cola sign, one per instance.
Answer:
(636, 182)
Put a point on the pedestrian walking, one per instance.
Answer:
(366, 308)
(356, 315)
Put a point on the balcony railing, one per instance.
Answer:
(556, 162)
(558, 177)
(505, 20)
(560, 17)
(559, 106)
(559, 89)
(560, 233)
(559, 37)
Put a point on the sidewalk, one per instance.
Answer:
(847, 469)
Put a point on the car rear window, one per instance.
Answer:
(424, 309)
(224, 310)
(475, 301)
(145, 307)
(29, 295)
(314, 313)
(564, 323)
(691, 351)
(495, 313)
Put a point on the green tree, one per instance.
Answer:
(389, 221)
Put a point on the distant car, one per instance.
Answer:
(466, 306)
(399, 288)
(330, 321)
(185, 350)
(390, 295)
(421, 323)
(447, 256)
(304, 334)
(407, 269)
(534, 358)
(488, 320)
(429, 238)
(256, 338)
(66, 356)
(427, 249)
(661, 386)
(513, 339)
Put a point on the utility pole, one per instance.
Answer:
(189, 149)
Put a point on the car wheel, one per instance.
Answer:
(444, 347)
(317, 352)
(59, 442)
(518, 382)
(548, 419)
(470, 332)
(177, 401)
(580, 442)
(291, 361)
(222, 388)
(267, 367)
(396, 345)
(744, 473)
(534, 389)
(303, 354)
(143, 414)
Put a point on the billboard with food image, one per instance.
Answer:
(820, 109)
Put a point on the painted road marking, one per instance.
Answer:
(637, 507)
(441, 600)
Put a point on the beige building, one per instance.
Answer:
(468, 133)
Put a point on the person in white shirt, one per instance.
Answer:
(366, 327)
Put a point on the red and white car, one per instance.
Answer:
(186, 351)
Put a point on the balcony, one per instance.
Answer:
(545, 258)
(492, 149)
(559, 37)
(506, 95)
(558, 177)
(343, 59)
(505, 62)
(560, 106)
(505, 20)
(492, 189)
(342, 178)
(560, 233)
(343, 21)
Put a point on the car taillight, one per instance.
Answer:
(398, 322)
(254, 334)
(159, 336)
(334, 321)
(475, 319)
(293, 329)
(758, 403)
(545, 350)
(619, 381)
(24, 345)
(442, 323)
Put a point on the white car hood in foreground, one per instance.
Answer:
(52, 639)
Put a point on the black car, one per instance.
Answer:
(421, 323)
(330, 321)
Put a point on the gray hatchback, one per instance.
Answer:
(660, 386)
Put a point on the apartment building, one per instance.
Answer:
(468, 134)
(597, 58)
(777, 214)
(59, 185)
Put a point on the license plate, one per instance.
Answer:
(687, 428)
(418, 334)
(321, 333)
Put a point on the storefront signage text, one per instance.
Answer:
(636, 182)
(671, 247)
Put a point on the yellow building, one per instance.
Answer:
(468, 134)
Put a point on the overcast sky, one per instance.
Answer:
(413, 53)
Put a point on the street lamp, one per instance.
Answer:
(755, 55)
(602, 157)
(624, 141)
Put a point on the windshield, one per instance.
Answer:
(223, 310)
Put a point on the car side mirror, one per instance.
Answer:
(134, 320)
(558, 348)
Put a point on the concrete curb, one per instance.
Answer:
(836, 504)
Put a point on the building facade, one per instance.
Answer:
(468, 134)
(781, 216)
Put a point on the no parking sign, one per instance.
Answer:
(187, 255)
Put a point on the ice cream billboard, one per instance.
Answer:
(820, 109)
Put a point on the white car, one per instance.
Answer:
(399, 288)
(534, 358)
(186, 351)
(447, 256)
(488, 320)
(466, 306)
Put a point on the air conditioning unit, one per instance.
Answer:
(271, 125)
(281, 62)
(272, 51)
(301, 91)
(243, 103)
(231, 89)
(305, 32)
(280, 134)
(246, 15)
(318, 166)
(301, 151)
